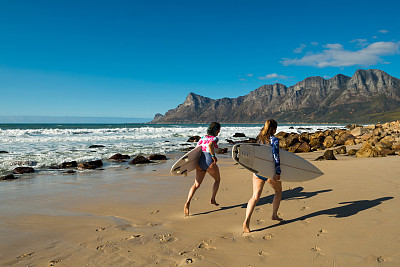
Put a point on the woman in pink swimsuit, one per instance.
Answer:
(207, 163)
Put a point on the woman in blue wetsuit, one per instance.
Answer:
(207, 163)
(266, 136)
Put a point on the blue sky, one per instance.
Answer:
(137, 58)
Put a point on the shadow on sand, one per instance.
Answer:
(291, 194)
(352, 208)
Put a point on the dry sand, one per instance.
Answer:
(134, 217)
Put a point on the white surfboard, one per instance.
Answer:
(258, 159)
(187, 163)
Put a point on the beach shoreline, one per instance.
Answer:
(346, 217)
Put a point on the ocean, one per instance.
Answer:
(44, 145)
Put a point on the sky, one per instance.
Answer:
(134, 59)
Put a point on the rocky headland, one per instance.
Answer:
(369, 96)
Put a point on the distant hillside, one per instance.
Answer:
(368, 96)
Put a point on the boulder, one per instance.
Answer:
(352, 152)
(281, 135)
(358, 131)
(230, 141)
(396, 146)
(387, 152)
(305, 137)
(350, 142)
(370, 127)
(366, 151)
(304, 147)
(294, 148)
(8, 177)
(292, 139)
(222, 150)
(383, 144)
(70, 164)
(119, 157)
(157, 157)
(341, 150)
(329, 141)
(239, 135)
(328, 155)
(96, 146)
(90, 165)
(3, 152)
(139, 160)
(21, 170)
(194, 139)
(366, 136)
(343, 137)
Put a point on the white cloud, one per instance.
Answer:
(299, 49)
(383, 31)
(336, 56)
(374, 37)
(243, 80)
(275, 76)
(327, 77)
(250, 75)
(314, 43)
(360, 42)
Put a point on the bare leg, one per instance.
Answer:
(277, 186)
(213, 170)
(197, 182)
(258, 186)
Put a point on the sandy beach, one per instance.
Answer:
(134, 217)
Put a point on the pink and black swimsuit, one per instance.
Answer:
(205, 159)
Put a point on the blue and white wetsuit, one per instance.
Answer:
(274, 142)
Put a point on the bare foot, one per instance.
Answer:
(276, 218)
(186, 209)
(212, 201)
(246, 228)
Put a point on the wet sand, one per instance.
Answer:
(134, 217)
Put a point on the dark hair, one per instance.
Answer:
(213, 128)
(266, 131)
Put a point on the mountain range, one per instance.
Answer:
(368, 96)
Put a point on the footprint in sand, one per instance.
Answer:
(54, 262)
(262, 253)
(260, 221)
(189, 260)
(132, 237)
(155, 212)
(166, 238)
(267, 237)
(109, 247)
(258, 209)
(183, 252)
(317, 249)
(100, 229)
(206, 246)
(304, 208)
(25, 255)
(380, 259)
(152, 224)
(321, 232)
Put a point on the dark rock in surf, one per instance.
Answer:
(157, 157)
(3, 152)
(90, 165)
(96, 146)
(139, 160)
(119, 157)
(8, 177)
(239, 135)
(21, 170)
(68, 164)
(194, 139)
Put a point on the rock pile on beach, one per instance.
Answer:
(377, 140)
